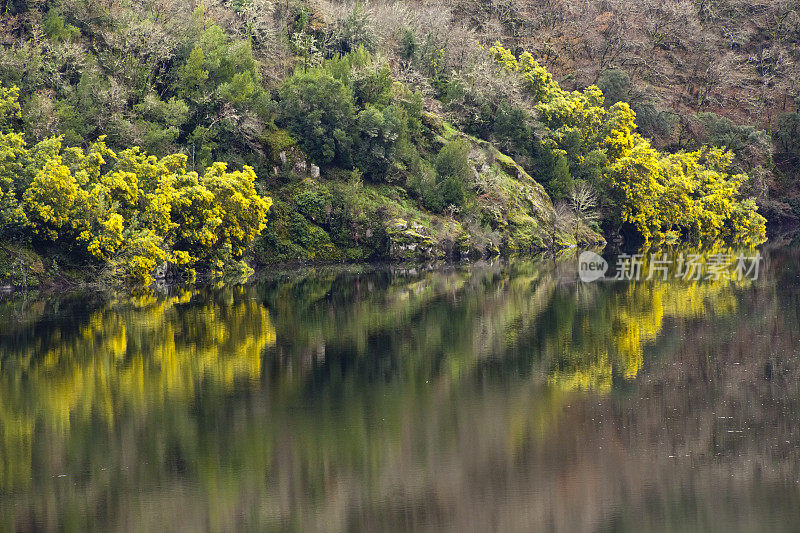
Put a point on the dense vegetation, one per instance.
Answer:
(688, 196)
(378, 131)
(129, 211)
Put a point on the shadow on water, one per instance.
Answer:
(502, 395)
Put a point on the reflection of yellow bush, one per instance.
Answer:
(137, 355)
(638, 323)
(16, 438)
(637, 318)
(594, 375)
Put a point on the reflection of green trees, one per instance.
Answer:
(153, 399)
(401, 323)
(443, 324)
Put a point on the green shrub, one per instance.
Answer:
(56, 28)
(453, 161)
(318, 109)
(313, 203)
(374, 145)
(616, 85)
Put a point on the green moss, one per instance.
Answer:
(507, 164)
(433, 121)
(277, 141)
(448, 131)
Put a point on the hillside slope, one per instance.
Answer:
(317, 218)
(386, 130)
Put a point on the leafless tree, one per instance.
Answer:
(583, 200)
(560, 221)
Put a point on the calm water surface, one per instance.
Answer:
(501, 396)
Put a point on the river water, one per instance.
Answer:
(494, 396)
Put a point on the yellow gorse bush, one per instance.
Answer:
(128, 211)
(691, 194)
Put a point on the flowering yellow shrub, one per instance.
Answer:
(689, 194)
(133, 213)
(678, 193)
(52, 200)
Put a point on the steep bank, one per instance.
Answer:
(376, 132)
(329, 217)
(509, 214)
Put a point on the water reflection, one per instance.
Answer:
(500, 395)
